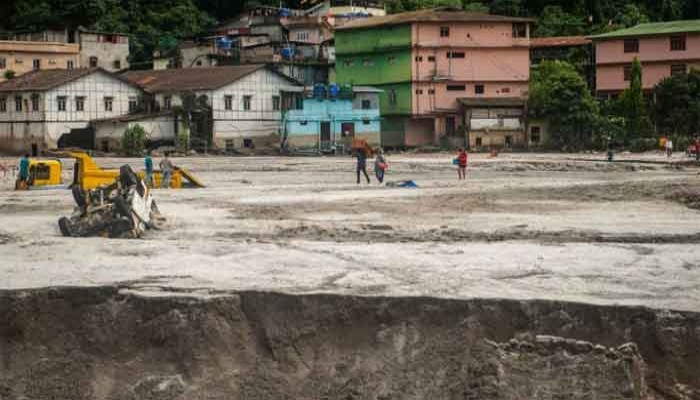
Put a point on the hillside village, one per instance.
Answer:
(430, 78)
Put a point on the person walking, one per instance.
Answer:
(669, 147)
(361, 155)
(148, 162)
(166, 168)
(462, 158)
(24, 171)
(380, 165)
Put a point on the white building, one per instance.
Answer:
(238, 106)
(54, 108)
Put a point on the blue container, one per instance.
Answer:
(333, 90)
(287, 52)
(319, 91)
(224, 43)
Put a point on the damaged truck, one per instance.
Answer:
(123, 209)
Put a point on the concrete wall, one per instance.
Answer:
(468, 34)
(157, 128)
(19, 56)
(654, 53)
(431, 97)
(107, 53)
(497, 139)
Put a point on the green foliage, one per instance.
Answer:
(9, 74)
(633, 108)
(554, 21)
(677, 106)
(133, 141)
(559, 94)
(183, 140)
(513, 8)
(630, 16)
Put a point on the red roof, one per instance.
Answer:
(559, 41)
(211, 78)
(47, 79)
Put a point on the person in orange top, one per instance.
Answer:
(462, 164)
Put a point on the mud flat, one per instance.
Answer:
(541, 277)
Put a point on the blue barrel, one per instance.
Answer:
(333, 90)
(287, 52)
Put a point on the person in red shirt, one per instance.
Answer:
(462, 164)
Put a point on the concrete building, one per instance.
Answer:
(229, 107)
(106, 50)
(55, 108)
(449, 78)
(21, 57)
(340, 12)
(663, 48)
(325, 123)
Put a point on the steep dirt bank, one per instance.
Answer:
(103, 343)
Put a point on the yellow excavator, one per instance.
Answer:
(47, 173)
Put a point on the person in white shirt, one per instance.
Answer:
(669, 148)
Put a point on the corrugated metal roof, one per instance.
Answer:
(46, 79)
(654, 28)
(429, 16)
(559, 41)
(190, 79)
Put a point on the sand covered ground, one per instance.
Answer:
(523, 226)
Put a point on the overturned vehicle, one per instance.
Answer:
(122, 209)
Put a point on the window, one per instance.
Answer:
(3, 63)
(93, 62)
(431, 58)
(519, 30)
(678, 43)
(627, 72)
(3, 105)
(61, 100)
(392, 96)
(455, 88)
(18, 103)
(80, 103)
(167, 102)
(303, 122)
(35, 102)
(509, 141)
(478, 142)
(678, 69)
(275, 103)
(419, 58)
(19, 61)
(302, 36)
(391, 60)
(246, 102)
(505, 90)
(367, 61)
(133, 104)
(36, 64)
(52, 62)
(444, 31)
(366, 104)
(228, 102)
(455, 54)
(631, 45)
(299, 103)
(479, 89)
(70, 64)
(117, 64)
(109, 101)
(419, 91)
(248, 143)
(535, 134)
(229, 145)
(365, 122)
(199, 63)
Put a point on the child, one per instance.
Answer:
(462, 164)
(380, 165)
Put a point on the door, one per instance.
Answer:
(348, 129)
(325, 136)
(35, 150)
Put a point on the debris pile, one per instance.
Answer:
(123, 209)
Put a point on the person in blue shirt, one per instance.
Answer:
(148, 161)
(24, 168)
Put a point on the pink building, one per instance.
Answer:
(664, 49)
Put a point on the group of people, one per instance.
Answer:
(380, 164)
(166, 169)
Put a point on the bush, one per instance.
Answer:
(9, 74)
(183, 141)
(133, 141)
(644, 144)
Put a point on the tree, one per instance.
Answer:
(555, 22)
(133, 141)
(632, 106)
(630, 16)
(476, 7)
(9, 74)
(513, 8)
(560, 94)
(677, 106)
